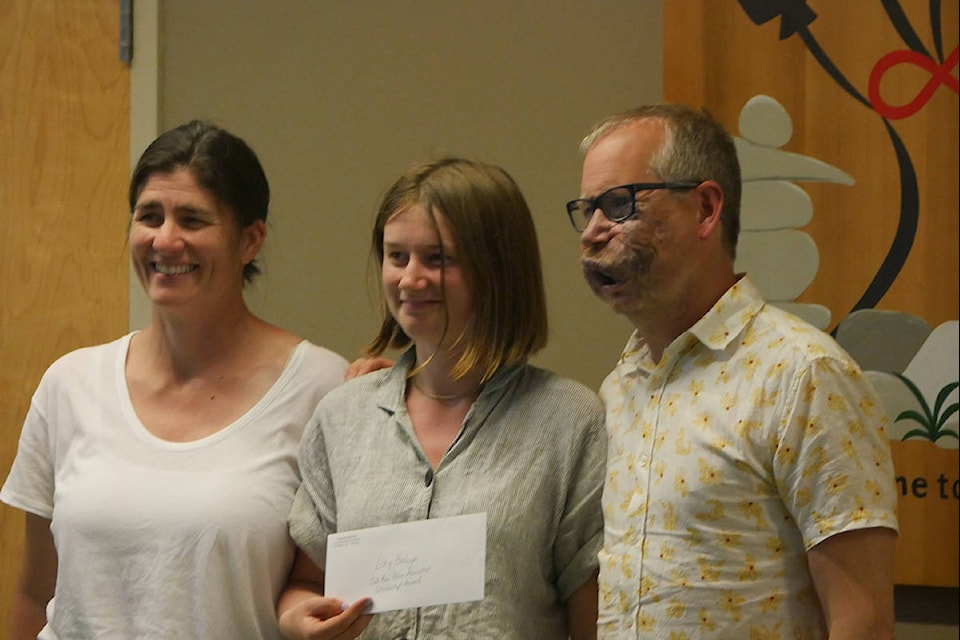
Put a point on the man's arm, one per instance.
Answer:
(853, 575)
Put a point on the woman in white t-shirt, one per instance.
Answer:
(157, 471)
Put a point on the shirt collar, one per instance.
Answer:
(729, 316)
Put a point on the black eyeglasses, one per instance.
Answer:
(617, 204)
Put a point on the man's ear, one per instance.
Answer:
(710, 206)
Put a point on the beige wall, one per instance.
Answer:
(338, 97)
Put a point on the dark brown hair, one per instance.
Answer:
(220, 162)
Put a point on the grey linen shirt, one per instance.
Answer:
(531, 454)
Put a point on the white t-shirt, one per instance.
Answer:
(157, 539)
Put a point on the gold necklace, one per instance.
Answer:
(439, 396)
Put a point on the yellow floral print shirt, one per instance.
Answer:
(753, 439)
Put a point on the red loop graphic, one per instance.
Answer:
(939, 75)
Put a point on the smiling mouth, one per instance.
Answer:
(415, 303)
(172, 269)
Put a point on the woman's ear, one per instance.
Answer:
(252, 238)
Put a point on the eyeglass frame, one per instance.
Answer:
(634, 189)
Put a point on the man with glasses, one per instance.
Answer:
(749, 490)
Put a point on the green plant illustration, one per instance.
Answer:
(931, 421)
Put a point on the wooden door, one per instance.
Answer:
(64, 139)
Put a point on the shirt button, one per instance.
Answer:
(644, 460)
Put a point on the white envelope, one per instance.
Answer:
(411, 564)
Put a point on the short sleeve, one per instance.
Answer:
(30, 484)
(833, 463)
(313, 514)
(580, 533)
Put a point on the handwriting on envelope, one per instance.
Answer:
(411, 564)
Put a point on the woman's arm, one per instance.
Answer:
(37, 580)
(304, 613)
(582, 610)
